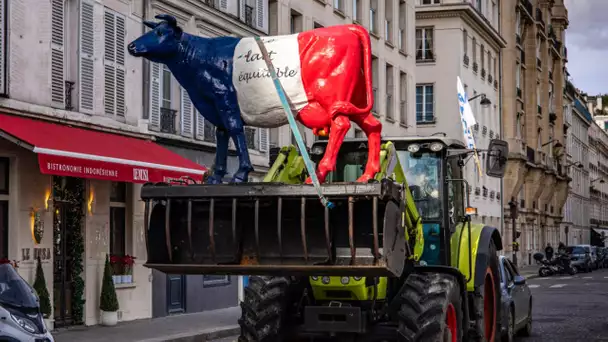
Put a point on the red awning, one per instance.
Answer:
(69, 151)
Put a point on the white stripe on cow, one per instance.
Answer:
(258, 99)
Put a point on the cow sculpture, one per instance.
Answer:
(325, 73)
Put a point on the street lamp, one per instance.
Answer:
(602, 181)
(576, 164)
(557, 147)
(485, 102)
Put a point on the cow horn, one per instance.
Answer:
(150, 24)
(168, 18)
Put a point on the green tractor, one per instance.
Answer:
(396, 259)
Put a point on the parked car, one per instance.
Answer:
(516, 302)
(580, 256)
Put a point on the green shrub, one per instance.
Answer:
(42, 291)
(108, 301)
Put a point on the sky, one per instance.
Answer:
(587, 43)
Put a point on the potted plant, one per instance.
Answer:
(128, 262)
(116, 263)
(43, 294)
(108, 303)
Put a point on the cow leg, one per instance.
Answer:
(372, 128)
(339, 127)
(221, 155)
(242, 174)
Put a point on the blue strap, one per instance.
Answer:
(292, 123)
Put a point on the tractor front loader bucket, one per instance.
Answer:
(274, 228)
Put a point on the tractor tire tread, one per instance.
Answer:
(263, 308)
(424, 303)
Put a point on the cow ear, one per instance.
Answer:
(150, 24)
(168, 18)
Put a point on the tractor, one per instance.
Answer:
(396, 259)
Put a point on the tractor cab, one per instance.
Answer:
(434, 169)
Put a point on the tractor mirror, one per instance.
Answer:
(471, 211)
(496, 161)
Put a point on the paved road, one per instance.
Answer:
(566, 308)
(570, 308)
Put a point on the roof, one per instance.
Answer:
(450, 142)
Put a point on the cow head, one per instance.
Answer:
(160, 43)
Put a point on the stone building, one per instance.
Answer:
(533, 82)
(462, 39)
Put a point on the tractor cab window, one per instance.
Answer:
(423, 173)
(349, 167)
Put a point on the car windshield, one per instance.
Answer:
(422, 171)
(575, 250)
(15, 291)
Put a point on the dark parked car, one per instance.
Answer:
(580, 257)
(516, 302)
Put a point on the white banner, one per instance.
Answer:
(468, 120)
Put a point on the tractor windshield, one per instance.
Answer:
(422, 171)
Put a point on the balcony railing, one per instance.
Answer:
(389, 106)
(465, 60)
(69, 87)
(167, 120)
(483, 73)
(490, 78)
(528, 6)
(403, 112)
(475, 66)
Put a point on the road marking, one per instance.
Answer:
(533, 286)
(557, 286)
(587, 277)
(605, 277)
(566, 277)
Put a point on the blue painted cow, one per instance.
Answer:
(326, 75)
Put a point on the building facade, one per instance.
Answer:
(575, 225)
(533, 78)
(597, 227)
(391, 27)
(472, 30)
(83, 124)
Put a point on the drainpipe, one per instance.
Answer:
(502, 193)
(145, 68)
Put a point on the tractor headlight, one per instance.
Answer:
(345, 280)
(325, 280)
(314, 278)
(357, 278)
(413, 148)
(318, 150)
(436, 147)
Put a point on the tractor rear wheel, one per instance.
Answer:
(431, 309)
(488, 300)
(264, 309)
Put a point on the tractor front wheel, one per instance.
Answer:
(264, 309)
(431, 309)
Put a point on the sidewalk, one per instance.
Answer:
(203, 326)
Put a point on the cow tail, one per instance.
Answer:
(348, 107)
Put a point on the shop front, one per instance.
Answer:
(71, 196)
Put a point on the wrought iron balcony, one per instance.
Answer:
(475, 66)
(167, 120)
(490, 78)
(483, 73)
(465, 59)
(69, 86)
(248, 15)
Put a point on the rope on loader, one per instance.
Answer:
(292, 123)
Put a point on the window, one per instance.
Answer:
(317, 25)
(166, 87)
(424, 44)
(538, 95)
(389, 92)
(538, 43)
(339, 5)
(118, 199)
(388, 21)
(359, 133)
(357, 10)
(375, 71)
(114, 64)
(295, 22)
(489, 62)
(402, 41)
(483, 52)
(518, 75)
(373, 16)
(474, 47)
(430, 2)
(425, 103)
(403, 97)
(478, 5)
(4, 187)
(518, 127)
(216, 280)
(465, 42)
(518, 23)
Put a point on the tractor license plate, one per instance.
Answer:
(333, 319)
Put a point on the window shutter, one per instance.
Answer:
(155, 94)
(261, 10)
(263, 133)
(86, 77)
(57, 60)
(242, 10)
(114, 64)
(3, 33)
(186, 114)
(224, 5)
(200, 126)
